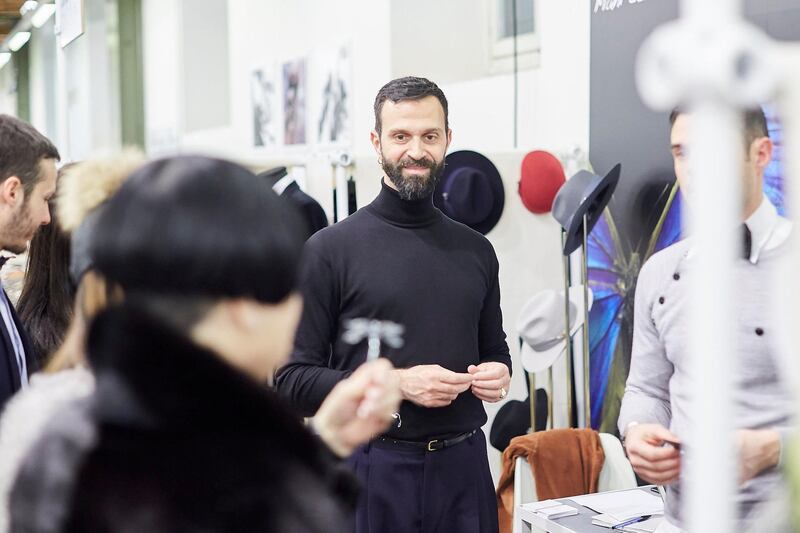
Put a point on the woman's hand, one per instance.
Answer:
(359, 407)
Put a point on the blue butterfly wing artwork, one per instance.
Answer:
(613, 268)
(670, 231)
(773, 174)
(604, 326)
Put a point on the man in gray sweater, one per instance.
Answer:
(660, 380)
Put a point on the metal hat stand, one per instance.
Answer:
(598, 204)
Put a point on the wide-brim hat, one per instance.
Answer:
(585, 193)
(470, 191)
(541, 177)
(540, 324)
(514, 419)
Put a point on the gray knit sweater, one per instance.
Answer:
(660, 380)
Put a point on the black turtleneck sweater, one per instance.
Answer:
(406, 262)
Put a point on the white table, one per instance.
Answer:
(579, 523)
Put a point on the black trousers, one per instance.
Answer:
(410, 490)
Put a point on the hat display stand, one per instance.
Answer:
(587, 404)
(577, 208)
(569, 356)
(540, 328)
(532, 387)
(343, 188)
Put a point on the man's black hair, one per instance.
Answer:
(408, 88)
(22, 149)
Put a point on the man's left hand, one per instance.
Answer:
(759, 449)
(490, 381)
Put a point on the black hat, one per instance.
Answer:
(587, 194)
(470, 191)
(514, 419)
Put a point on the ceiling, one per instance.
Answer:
(9, 15)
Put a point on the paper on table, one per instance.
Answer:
(610, 520)
(550, 509)
(622, 503)
(538, 506)
(559, 511)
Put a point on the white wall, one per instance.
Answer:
(89, 83)
(445, 40)
(43, 82)
(264, 33)
(162, 55)
(8, 89)
(204, 42)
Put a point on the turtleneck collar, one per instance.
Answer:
(405, 213)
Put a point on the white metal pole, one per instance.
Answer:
(710, 11)
(789, 107)
(712, 61)
(714, 217)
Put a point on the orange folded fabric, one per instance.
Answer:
(565, 462)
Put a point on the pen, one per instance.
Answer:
(632, 521)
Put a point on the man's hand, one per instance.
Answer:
(654, 461)
(359, 407)
(432, 385)
(490, 381)
(759, 449)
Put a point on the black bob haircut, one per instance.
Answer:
(193, 226)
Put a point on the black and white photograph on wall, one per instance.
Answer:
(333, 88)
(266, 107)
(294, 102)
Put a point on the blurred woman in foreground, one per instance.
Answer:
(180, 434)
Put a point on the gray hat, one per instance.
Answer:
(587, 194)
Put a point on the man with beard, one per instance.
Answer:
(27, 183)
(400, 259)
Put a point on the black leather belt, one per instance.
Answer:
(431, 445)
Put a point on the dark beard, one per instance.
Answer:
(19, 222)
(413, 187)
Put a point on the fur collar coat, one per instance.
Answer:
(174, 439)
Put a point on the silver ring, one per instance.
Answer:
(503, 393)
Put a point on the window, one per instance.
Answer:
(506, 19)
(502, 34)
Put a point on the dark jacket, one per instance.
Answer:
(312, 212)
(184, 443)
(9, 370)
